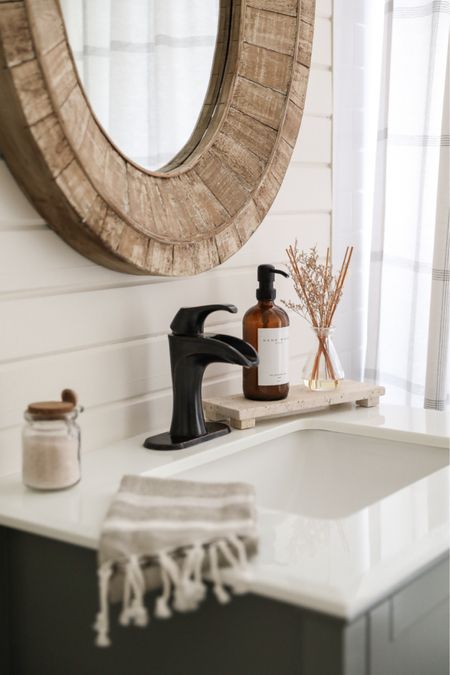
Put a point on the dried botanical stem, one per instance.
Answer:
(325, 287)
(322, 341)
(338, 286)
(299, 278)
(345, 266)
(329, 368)
(319, 293)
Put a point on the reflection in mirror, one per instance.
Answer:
(146, 66)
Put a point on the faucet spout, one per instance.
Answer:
(189, 357)
(191, 351)
(235, 350)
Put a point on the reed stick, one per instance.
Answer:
(319, 294)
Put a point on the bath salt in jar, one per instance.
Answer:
(51, 444)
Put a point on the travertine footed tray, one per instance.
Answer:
(243, 413)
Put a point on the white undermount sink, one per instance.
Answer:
(324, 474)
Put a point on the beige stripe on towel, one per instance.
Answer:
(170, 533)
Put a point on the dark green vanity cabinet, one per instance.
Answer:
(48, 600)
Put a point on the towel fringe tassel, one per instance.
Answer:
(240, 586)
(101, 625)
(183, 577)
(133, 609)
(198, 571)
(162, 609)
(218, 588)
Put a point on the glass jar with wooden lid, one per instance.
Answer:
(51, 444)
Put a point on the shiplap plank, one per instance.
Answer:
(324, 8)
(15, 209)
(319, 98)
(80, 320)
(322, 43)
(314, 141)
(76, 320)
(305, 188)
(49, 265)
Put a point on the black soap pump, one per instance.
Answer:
(266, 328)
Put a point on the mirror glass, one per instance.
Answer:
(151, 70)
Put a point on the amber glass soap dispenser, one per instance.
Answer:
(266, 328)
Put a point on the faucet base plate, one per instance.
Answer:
(164, 441)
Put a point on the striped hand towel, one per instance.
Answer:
(170, 533)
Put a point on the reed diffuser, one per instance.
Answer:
(319, 292)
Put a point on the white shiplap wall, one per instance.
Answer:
(66, 322)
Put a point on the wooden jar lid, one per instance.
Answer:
(54, 409)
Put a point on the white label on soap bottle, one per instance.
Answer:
(273, 351)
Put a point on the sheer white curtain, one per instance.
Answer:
(145, 65)
(391, 188)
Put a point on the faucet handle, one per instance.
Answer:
(190, 320)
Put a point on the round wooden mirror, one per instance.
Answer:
(207, 202)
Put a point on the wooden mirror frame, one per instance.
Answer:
(179, 222)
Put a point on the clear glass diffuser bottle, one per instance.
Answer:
(323, 369)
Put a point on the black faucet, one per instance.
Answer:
(191, 350)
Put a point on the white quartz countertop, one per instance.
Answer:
(340, 565)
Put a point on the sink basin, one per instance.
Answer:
(324, 474)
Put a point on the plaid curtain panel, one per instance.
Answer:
(400, 195)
